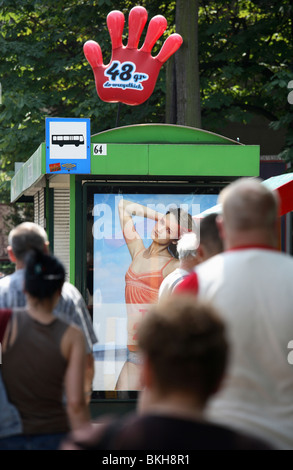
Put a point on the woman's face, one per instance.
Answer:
(165, 230)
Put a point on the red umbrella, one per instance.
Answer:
(281, 183)
(284, 185)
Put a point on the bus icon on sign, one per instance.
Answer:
(71, 139)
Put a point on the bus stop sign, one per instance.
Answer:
(68, 145)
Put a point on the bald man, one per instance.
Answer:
(251, 284)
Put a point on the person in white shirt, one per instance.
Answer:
(251, 285)
(186, 249)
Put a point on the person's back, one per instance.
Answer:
(159, 432)
(250, 283)
(70, 308)
(33, 371)
(43, 357)
(184, 355)
(252, 289)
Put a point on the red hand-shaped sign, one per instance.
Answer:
(131, 75)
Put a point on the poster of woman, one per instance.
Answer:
(135, 237)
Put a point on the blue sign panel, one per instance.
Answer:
(68, 146)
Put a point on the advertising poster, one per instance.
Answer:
(134, 236)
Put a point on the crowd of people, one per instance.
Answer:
(213, 348)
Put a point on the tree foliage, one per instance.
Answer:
(246, 51)
(44, 72)
(245, 65)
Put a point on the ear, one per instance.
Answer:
(221, 226)
(46, 248)
(200, 253)
(11, 254)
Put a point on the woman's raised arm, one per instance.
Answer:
(127, 210)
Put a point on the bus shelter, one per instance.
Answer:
(154, 165)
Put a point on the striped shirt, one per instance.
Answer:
(71, 306)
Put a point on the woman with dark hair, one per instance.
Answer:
(148, 268)
(41, 355)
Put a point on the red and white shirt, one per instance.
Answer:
(252, 287)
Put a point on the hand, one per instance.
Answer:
(131, 75)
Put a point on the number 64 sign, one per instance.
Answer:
(131, 75)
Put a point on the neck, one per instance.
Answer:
(179, 404)
(250, 238)
(188, 263)
(40, 310)
(19, 265)
(156, 249)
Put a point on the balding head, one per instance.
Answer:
(250, 211)
(25, 237)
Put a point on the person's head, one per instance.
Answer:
(185, 349)
(187, 250)
(249, 213)
(44, 276)
(210, 241)
(23, 238)
(171, 226)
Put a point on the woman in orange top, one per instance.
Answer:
(146, 272)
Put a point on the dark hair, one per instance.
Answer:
(44, 275)
(185, 341)
(209, 234)
(185, 224)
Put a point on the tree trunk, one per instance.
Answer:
(171, 95)
(186, 93)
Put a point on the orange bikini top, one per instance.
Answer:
(143, 288)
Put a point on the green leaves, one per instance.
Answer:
(246, 52)
(245, 61)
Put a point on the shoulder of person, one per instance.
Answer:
(73, 336)
(69, 290)
(95, 436)
(71, 295)
(75, 332)
(7, 280)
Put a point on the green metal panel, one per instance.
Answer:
(204, 160)
(154, 149)
(159, 133)
(121, 159)
(72, 230)
(50, 215)
(178, 160)
(30, 172)
(80, 237)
